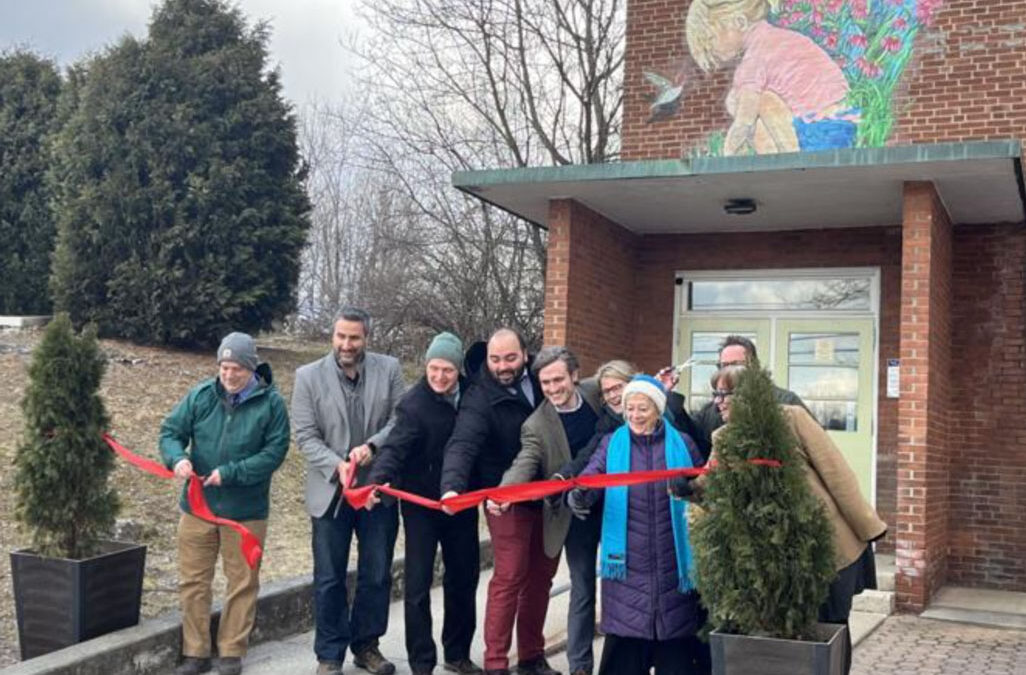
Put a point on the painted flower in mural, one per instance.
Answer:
(807, 74)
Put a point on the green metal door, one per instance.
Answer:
(829, 363)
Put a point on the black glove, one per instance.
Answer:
(555, 501)
(580, 501)
(681, 487)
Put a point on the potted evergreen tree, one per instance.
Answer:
(71, 585)
(764, 547)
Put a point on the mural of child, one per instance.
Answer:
(787, 94)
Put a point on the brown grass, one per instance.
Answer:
(140, 387)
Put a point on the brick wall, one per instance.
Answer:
(660, 257)
(986, 540)
(924, 407)
(966, 79)
(592, 260)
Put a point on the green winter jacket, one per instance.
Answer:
(246, 444)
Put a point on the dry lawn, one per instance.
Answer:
(140, 387)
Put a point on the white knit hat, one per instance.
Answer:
(650, 387)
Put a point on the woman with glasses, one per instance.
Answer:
(650, 611)
(854, 522)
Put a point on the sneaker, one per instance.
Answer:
(329, 668)
(229, 665)
(371, 660)
(192, 665)
(538, 666)
(463, 667)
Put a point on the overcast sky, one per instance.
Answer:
(305, 34)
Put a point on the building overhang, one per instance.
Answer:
(980, 182)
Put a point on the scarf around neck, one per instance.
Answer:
(615, 510)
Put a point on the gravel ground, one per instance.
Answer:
(140, 387)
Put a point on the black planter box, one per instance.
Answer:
(61, 602)
(748, 655)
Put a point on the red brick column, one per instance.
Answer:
(923, 407)
(589, 284)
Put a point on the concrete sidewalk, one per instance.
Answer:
(294, 655)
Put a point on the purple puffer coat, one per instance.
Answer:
(647, 604)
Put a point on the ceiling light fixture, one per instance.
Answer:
(739, 207)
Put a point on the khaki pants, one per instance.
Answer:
(198, 545)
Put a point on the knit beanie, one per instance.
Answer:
(240, 348)
(650, 387)
(446, 346)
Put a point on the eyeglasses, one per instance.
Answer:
(616, 389)
(724, 364)
(721, 394)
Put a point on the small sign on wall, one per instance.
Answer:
(893, 377)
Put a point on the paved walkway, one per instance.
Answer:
(909, 645)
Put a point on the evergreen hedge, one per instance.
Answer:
(179, 187)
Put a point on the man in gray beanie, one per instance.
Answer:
(412, 457)
(236, 471)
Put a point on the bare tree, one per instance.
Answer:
(469, 84)
(450, 85)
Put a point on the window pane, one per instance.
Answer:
(851, 294)
(823, 369)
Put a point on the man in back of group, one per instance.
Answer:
(550, 439)
(484, 442)
(411, 458)
(342, 407)
(735, 351)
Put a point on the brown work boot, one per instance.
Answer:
(329, 668)
(193, 665)
(463, 667)
(371, 660)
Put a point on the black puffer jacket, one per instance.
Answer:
(412, 455)
(487, 434)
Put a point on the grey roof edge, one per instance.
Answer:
(470, 191)
(470, 181)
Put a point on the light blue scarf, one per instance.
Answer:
(614, 514)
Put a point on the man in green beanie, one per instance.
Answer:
(411, 458)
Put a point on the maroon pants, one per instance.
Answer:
(520, 585)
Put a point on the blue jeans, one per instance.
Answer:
(338, 627)
(582, 542)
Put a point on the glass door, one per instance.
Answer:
(700, 339)
(829, 364)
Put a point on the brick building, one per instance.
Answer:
(881, 272)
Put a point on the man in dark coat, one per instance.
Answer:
(411, 458)
(483, 444)
(736, 350)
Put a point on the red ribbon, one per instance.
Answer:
(249, 544)
(525, 492)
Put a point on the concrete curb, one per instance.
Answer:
(153, 647)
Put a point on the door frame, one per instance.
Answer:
(681, 315)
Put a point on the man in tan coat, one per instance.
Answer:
(853, 520)
(561, 426)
